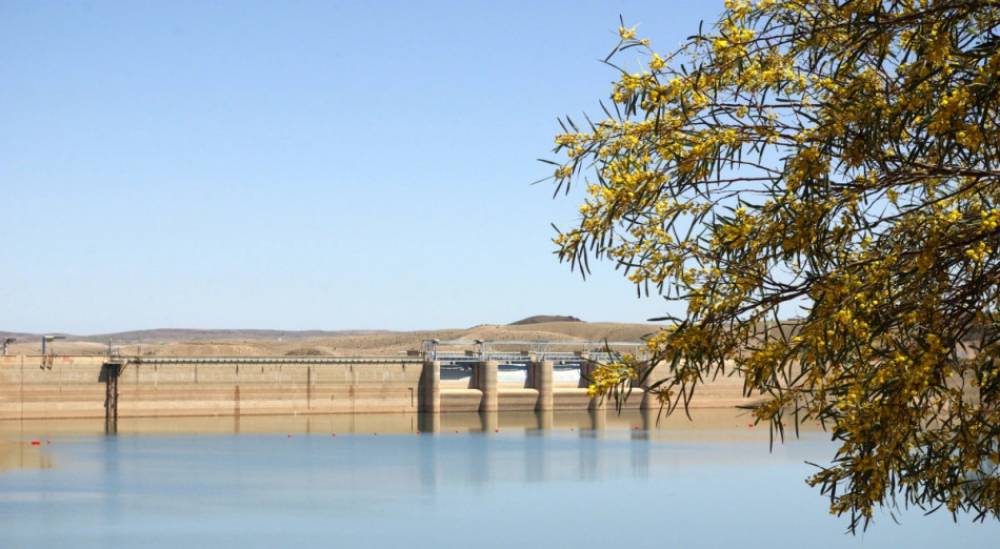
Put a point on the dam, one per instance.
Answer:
(433, 381)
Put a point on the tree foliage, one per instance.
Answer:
(817, 180)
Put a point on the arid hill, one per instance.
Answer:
(320, 343)
(183, 334)
(540, 319)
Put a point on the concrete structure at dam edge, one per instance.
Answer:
(69, 387)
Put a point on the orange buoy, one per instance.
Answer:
(36, 442)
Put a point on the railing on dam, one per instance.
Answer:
(559, 358)
(273, 360)
(459, 351)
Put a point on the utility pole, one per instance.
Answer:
(47, 353)
(7, 341)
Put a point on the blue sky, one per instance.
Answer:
(299, 165)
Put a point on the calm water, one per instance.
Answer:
(281, 482)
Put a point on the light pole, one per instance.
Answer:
(46, 339)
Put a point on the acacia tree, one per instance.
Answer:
(818, 182)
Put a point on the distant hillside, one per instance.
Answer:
(20, 336)
(539, 319)
(571, 332)
(161, 335)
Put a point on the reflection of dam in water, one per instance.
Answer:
(21, 454)
(386, 484)
(706, 423)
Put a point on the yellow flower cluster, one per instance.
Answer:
(605, 377)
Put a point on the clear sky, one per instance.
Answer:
(299, 165)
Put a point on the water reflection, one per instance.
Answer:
(597, 424)
(533, 480)
(706, 424)
(24, 455)
(504, 447)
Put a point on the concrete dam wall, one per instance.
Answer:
(38, 387)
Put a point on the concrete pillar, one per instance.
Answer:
(649, 418)
(598, 418)
(599, 403)
(430, 387)
(586, 368)
(545, 419)
(429, 422)
(648, 401)
(541, 379)
(486, 381)
(489, 421)
(429, 397)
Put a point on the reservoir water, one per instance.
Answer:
(513, 480)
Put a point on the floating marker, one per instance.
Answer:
(36, 442)
(333, 434)
(496, 430)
